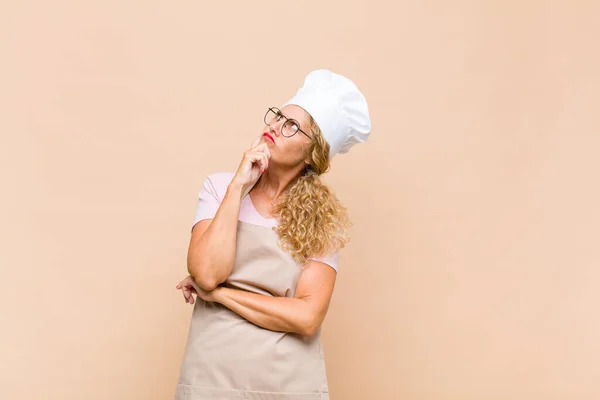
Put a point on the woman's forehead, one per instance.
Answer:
(293, 111)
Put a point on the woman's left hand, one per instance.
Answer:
(189, 286)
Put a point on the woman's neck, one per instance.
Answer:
(274, 182)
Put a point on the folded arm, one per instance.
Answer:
(302, 314)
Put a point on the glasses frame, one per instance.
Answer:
(277, 111)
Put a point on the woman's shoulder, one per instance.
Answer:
(221, 178)
(217, 183)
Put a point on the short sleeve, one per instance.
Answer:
(332, 259)
(208, 202)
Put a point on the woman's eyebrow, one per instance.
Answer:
(293, 119)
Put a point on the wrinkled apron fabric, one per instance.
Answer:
(227, 357)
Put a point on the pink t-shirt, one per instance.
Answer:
(211, 195)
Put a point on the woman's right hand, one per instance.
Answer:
(254, 163)
(188, 287)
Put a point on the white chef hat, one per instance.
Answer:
(337, 106)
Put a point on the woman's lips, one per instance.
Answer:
(269, 137)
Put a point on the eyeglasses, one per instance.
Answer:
(289, 128)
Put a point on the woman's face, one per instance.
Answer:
(287, 152)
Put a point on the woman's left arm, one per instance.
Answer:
(302, 314)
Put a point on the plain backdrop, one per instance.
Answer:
(473, 269)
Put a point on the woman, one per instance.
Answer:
(264, 250)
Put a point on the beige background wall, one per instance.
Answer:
(473, 268)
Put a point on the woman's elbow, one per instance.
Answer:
(308, 330)
(309, 326)
(205, 282)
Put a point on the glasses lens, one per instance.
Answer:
(271, 116)
(289, 128)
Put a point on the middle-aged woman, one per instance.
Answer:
(264, 251)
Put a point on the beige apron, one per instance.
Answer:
(227, 357)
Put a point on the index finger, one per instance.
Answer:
(255, 142)
(264, 148)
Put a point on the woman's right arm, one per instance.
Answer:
(212, 249)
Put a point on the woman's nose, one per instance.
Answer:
(275, 128)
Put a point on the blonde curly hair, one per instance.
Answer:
(312, 221)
